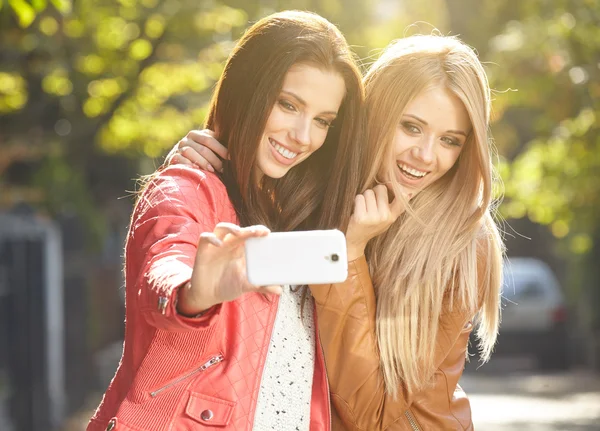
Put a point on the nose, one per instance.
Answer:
(301, 131)
(425, 149)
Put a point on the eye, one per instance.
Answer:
(410, 127)
(323, 123)
(451, 141)
(286, 105)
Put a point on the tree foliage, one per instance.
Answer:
(85, 83)
(548, 61)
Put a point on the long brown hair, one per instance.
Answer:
(319, 192)
(444, 255)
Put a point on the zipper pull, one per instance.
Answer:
(212, 361)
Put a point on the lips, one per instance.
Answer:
(411, 176)
(282, 154)
(282, 150)
(413, 172)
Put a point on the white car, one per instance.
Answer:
(534, 315)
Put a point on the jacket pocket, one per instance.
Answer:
(209, 411)
(212, 361)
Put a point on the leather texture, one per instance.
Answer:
(179, 373)
(346, 315)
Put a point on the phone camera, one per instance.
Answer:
(335, 257)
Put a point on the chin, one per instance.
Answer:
(275, 172)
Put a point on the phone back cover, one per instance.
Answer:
(297, 258)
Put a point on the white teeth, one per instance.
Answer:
(412, 171)
(284, 152)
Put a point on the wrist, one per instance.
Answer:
(188, 304)
(355, 251)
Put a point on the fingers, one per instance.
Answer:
(256, 231)
(233, 236)
(207, 138)
(370, 201)
(360, 207)
(223, 229)
(201, 149)
(376, 207)
(207, 238)
(210, 146)
(194, 158)
(178, 159)
(383, 204)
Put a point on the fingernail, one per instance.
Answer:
(210, 168)
(216, 242)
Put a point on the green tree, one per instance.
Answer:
(543, 59)
(107, 77)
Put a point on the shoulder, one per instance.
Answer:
(180, 178)
(184, 183)
(183, 189)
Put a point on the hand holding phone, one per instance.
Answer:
(219, 274)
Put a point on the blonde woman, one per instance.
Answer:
(395, 334)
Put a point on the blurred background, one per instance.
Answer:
(94, 93)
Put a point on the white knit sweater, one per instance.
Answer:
(286, 386)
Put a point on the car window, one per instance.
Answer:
(530, 290)
(518, 288)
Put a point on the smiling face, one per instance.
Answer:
(300, 119)
(429, 138)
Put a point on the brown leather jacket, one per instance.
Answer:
(346, 315)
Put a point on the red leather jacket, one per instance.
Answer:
(178, 373)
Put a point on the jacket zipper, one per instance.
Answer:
(412, 421)
(212, 361)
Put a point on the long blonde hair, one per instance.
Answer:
(444, 255)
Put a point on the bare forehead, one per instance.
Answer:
(317, 88)
(439, 107)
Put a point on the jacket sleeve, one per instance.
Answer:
(346, 313)
(176, 207)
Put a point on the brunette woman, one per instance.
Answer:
(204, 348)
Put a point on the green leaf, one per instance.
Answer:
(25, 13)
(63, 6)
(39, 5)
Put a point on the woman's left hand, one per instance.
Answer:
(373, 215)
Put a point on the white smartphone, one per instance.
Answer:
(296, 258)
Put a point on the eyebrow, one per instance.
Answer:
(456, 132)
(303, 102)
